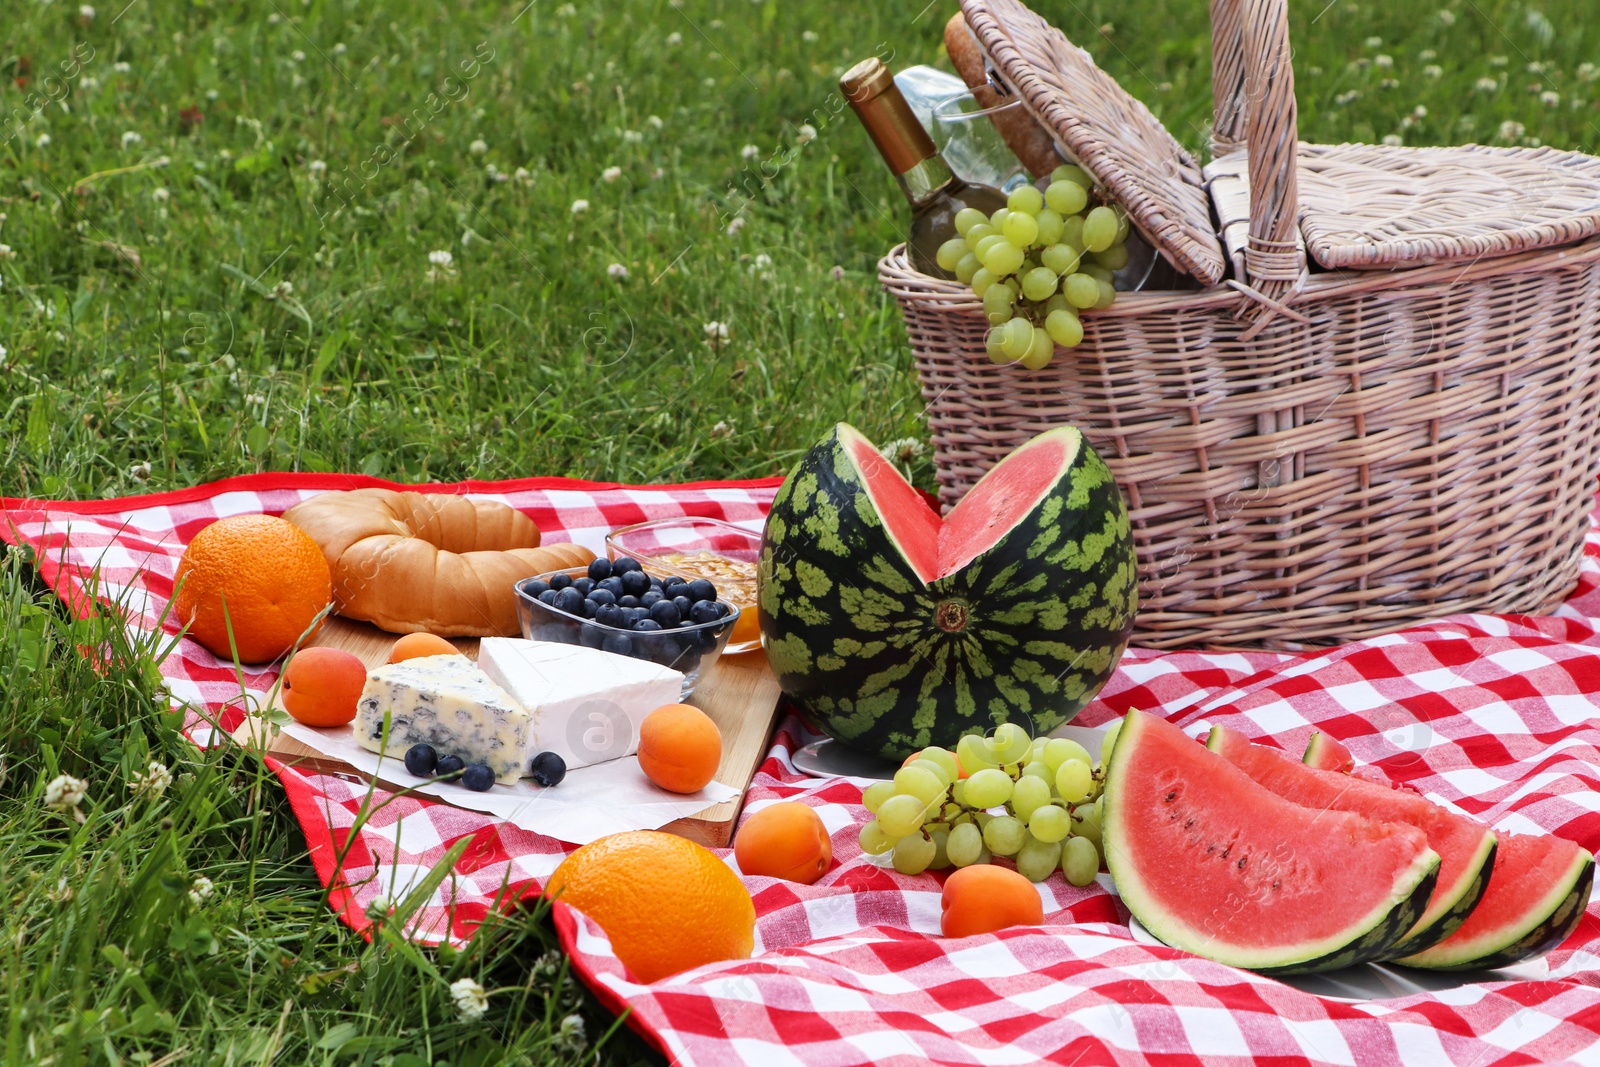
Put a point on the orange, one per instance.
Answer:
(982, 898)
(321, 686)
(413, 646)
(784, 840)
(666, 903)
(271, 576)
(679, 748)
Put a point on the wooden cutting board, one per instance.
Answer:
(739, 693)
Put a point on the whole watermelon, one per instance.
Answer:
(896, 631)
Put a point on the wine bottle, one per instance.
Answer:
(927, 181)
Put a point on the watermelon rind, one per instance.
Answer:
(888, 663)
(1396, 907)
(1326, 754)
(1543, 925)
(1463, 875)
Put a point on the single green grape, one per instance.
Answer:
(1097, 272)
(874, 842)
(901, 815)
(988, 788)
(1074, 779)
(933, 768)
(1039, 284)
(978, 233)
(1004, 835)
(919, 782)
(982, 818)
(1036, 768)
(1040, 352)
(968, 266)
(1061, 749)
(1086, 823)
(1019, 340)
(964, 844)
(967, 218)
(974, 752)
(1113, 258)
(873, 796)
(1028, 796)
(1080, 861)
(913, 853)
(1083, 290)
(1003, 259)
(1071, 172)
(1071, 231)
(950, 253)
(1051, 223)
(1021, 229)
(941, 857)
(1059, 303)
(1011, 741)
(1108, 296)
(1050, 823)
(1100, 229)
(1025, 199)
(1124, 227)
(998, 219)
(1109, 741)
(1067, 198)
(1036, 860)
(1062, 259)
(995, 345)
(945, 759)
(1064, 328)
(997, 304)
(958, 793)
(987, 243)
(983, 279)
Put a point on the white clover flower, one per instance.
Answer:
(837, 272)
(153, 782)
(580, 206)
(122, 66)
(761, 262)
(1389, 83)
(904, 449)
(1511, 130)
(716, 332)
(618, 271)
(1374, 42)
(212, 95)
(441, 258)
(1486, 85)
(736, 225)
(654, 122)
(632, 137)
(1588, 72)
(716, 24)
(496, 174)
(7, 252)
(523, 175)
(471, 1001)
(254, 400)
(85, 12)
(809, 36)
(160, 194)
(1446, 17)
(723, 428)
(749, 152)
(1347, 98)
(478, 147)
(611, 174)
(1433, 70)
(298, 56)
(1550, 99)
(674, 38)
(1427, 55)
(65, 793)
(339, 49)
(1393, 139)
(274, 18)
(201, 891)
(1498, 61)
(140, 472)
(317, 167)
(129, 137)
(572, 1033)
(42, 141)
(806, 134)
(1383, 62)
(4, 352)
(1420, 111)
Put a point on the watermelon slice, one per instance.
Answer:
(1326, 754)
(1537, 894)
(1466, 848)
(1215, 864)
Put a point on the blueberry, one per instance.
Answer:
(583, 585)
(569, 600)
(533, 587)
(587, 608)
(547, 597)
(610, 615)
(449, 767)
(623, 564)
(651, 597)
(612, 585)
(635, 582)
(591, 637)
(560, 580)
(478, 778)
(674, 586)
(655, 583)
(683, 604)
(666, 613)
(705, 611)
(602, 596)
(628, 600)
(635, 614)
(646, 625)
(420, 760)
(621, 644)
(549, 768)
(599, 569)
(700, 589)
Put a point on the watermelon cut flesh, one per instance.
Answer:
(1002, 498)
(1537, 894)
(1211, 862)
(1326, 754)
(1466, 848)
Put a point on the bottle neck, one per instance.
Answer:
(894, 129)
(926, 180)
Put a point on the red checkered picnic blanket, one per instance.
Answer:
(1495, 715)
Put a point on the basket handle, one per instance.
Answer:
(1253, 96)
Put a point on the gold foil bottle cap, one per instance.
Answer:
(889, 120)
(865, 80)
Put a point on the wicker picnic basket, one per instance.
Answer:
(1310, 453)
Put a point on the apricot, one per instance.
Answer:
(784, 840)
(983, 898)
(413, 646)
(322, 685)
(679, 748)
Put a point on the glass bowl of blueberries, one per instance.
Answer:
(617, 606)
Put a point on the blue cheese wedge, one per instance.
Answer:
(584, 704)
(448, 703)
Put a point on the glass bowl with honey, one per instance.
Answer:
(720, 552)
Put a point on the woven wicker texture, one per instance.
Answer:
(1437, 452)
(1111, 134)
(1371, 206)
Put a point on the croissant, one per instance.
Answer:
(431, 562)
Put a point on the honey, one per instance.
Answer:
(736, 584)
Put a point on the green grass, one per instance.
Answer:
(201, 299)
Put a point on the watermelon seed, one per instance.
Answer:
(1226, 849)
(1242, 860)
(1172, 796)
(950, 616)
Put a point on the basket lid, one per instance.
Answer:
(1109, 133)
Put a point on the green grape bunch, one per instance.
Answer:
(1035, 801)
(1038, 262)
